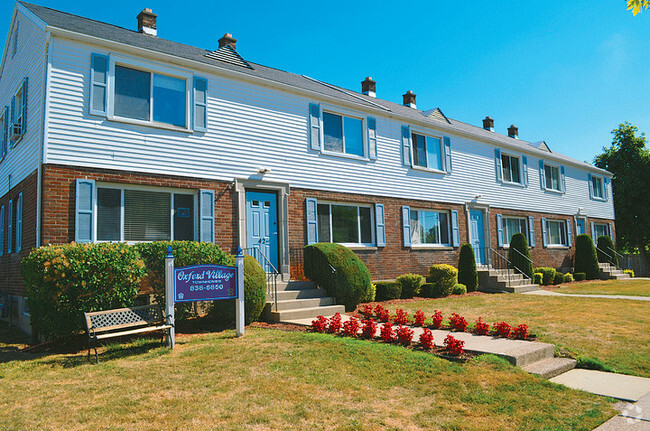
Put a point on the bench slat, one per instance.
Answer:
(134, 331)
(121, 318)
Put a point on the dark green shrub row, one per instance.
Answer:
(387, 290)
(559, 278)
(410, 284)
(585, 259)
(519, 255)
(579, 276)
(467, 273)
(548, 275)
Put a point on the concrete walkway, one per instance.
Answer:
(543, 292)
(633, 417)
(620, 386)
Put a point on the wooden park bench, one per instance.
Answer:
(124, 321)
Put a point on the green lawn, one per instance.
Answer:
(612, 330)
(281, 380)
(630, 287)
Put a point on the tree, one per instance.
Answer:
(637, 6)
(629, 160)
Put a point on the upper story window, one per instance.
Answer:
(427, 151)
(430, 227)
(343, 134)
(511, 168)
(345, 223)
(552, 177)
(597, 187)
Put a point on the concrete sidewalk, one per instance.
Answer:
(543, 292)
(633, 417)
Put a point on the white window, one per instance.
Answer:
(597, 187)
(427, 151)
(430, 227)
(600, 229)
(125, 214)
(511, 226)
(345, 223)
(510, 166)
(552, 177)
(556, 231)
(343, 134)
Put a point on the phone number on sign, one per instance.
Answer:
(206, 287)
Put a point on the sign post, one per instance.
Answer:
(169, 296)
(239, 311)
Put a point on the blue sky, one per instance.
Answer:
(567, 72)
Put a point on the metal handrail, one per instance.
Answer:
(620, 257)
(271, 273)
(509, 265)
(522, 255)
(609, 257)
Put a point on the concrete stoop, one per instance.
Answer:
(301, 300)
(552, 367)
(503, 280)
(610, 272)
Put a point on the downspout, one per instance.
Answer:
(41, 155)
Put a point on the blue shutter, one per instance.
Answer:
(531, 232)
(406, 147)
(611, 230)
(590, 183)
(200, 112)
(500, 230)
(98, 84)
(447, 140)
(19, 223)
(455, 237)
(542, 177)
(5, 133)
(406, 225)
(11, 123)
(569, 235)
(544, 236)
(23, 123)
(85, 206)
(593, 232)
(497, 163)
(605, 187)
(372, 138)
(207, 215)
(562, 179)
(312, 221)
(380, 225)
(524, 160)
(314, 126)
(10, 220)
(2, 230)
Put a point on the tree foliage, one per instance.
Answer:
(637, 6)
(628, 159)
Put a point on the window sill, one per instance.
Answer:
(430, 247)
(595, 198)
(345, 155)
(559, 192)
(152, 124)
(510, 183)
(423, 169)
(558, 247)
(361, 247)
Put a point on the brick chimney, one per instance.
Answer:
(147, 22)
(488, 124)
(369, 87)
(227, 39)
(409, 99)
(513, 132)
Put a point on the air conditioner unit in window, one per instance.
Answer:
(16, 130)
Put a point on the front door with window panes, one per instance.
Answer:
(262, 226)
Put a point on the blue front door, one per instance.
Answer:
(262, 226)
(580, 226)
(477, 236)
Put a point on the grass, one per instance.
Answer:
(631, 287)
(283, 380)
(615, 331)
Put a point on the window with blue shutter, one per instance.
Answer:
(406, 146)
(406, 225)
(23, 123)
(542, 176)
(448, 166)
(497, 163)
(2, 230)
(314, 126)
(590, 185)
(606, 188)
(200, 104)
(10, 225)
(593, 232)
(455, 237)
(4, 131)
(372, 137)
(312, 220)
(531, 232)
(207, 215)
(562, 180)
(544, 233)
(500, 230)
(380, 225)
(19, 223)
(98, 84)
(84, 210)
(524, 161)
(611, 230)
(569, 234)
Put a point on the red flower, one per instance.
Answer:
(454, 346)
(351, 327)
(368, 328)
(387, 333)
(334, 324)
(502, 329)
(521, 332)
(320, 324)
(384, 315)
(426, 339)
(419, 318)
(481, 327)
(366, 310)
(404, 335)
(401, 317)
(458, 322)
(436, 319)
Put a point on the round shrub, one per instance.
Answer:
(350, 281)
(370, 294)
(604, 251)
(410, 284)
(579, 276)
(568, 278)
(444, 277)
(519, 255)
(387, 290)
(538, 278)
(559, 278)
(185, 253)
(459, 289)
(467, 273)
(629, 272)
(223, 311)
(585, 257)
(64, 281)
(548, 275)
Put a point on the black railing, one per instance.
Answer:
(271, 271)
(608, 257)
(518, 269)
(620, 259)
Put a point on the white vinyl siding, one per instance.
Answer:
(430, 228)
(345, 224)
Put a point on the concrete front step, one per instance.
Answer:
(295, 285)
(613, 275)
(306, 313)
(551, 367)
(285, 295)
(294, 304)
(512, 289)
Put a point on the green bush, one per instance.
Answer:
(185, 253)
(370, 294)
(548, 275)
(223, 310)
(444, 277)
(585, 257)
(349, 283)
(629, 271)
(604, 250)
(467, 273)
(387, 290)
(410, 284)
(568, 278)
(559, 278)
(459, 289)
(579, 276)
(538, 278)
(519, 255)
(432, 290)
(64, 281)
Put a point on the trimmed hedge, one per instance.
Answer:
(559, 278)
(538, 278)
(585, 257)
(387, 290)
(432, 290)
(548, 275)
(370, 294)
(64, 281)
(410, 284)
(568, 278)
(606, 245)
(223, 311)
(519, 254)
(579, 276)
(467, 273)
(459, 289)
(350, 281)
(444, 277)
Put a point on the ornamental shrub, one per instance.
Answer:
(428, 290)
(319, 324)
(519, 255)
(436, 319)
(458, 289)
(481, 328)
(349, 283)
(64, 281)
(401, 317)
(334, 324)
(458, 322)
(606, 245)
(426, 339)
(387, 333)
(559, 278)
(404, 335)
(351, 327)
(548, 275)
(585, 259)
(410, 285)
(568, 278)
(454, 346)
(370, 294)
(538, 278)
(629, 272)
(443, 277)
(419, 318)
(387, 290)
(467, 273)
(579, 276)
(368, 328)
